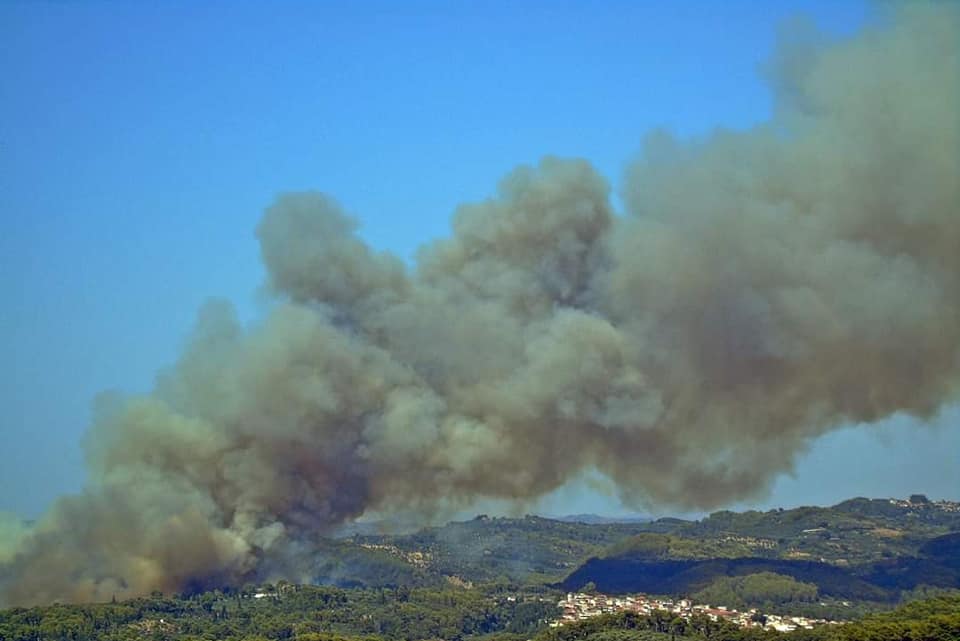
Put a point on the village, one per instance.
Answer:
(579, 606)
(921, 501)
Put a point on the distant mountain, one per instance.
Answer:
(596, 519)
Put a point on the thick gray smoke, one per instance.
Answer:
(762, 288)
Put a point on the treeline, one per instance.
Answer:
(763, 589)
(305, 613)
(936, 619)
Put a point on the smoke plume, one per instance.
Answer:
(761, 288)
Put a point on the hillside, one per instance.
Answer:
(854, 531)
(509, 549)
(850, 534)
(860, 550)
(868, 551)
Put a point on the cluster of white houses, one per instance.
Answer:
(582, 606)
(921, 501)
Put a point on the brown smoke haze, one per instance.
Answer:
(762, 288)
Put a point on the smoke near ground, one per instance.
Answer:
(762, 288)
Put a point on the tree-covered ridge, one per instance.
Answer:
(860, 550)
(847, 535)
(854, 531)
(655, 546)
(485, 549)
(764, 589)
(886, 550)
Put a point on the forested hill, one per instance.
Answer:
(527, 549)
(859, 550)
(867, 550)
(852, 534)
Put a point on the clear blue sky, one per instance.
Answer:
(139, 143)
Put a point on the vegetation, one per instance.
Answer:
(290, 612)
(620, 576)
(304, 613)
(505, 549)
(655, 546)
(930, 620)
(765, 589)
(864, 551)
(496, 579)
(935, 619)
(875, 540)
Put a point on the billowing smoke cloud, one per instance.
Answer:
(12, 531)
(762, 288)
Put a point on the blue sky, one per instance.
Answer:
(139, 143)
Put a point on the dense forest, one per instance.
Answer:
(286, 611)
